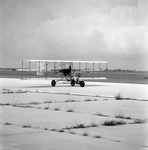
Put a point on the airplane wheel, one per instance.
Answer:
(53, 83)
(72, 82)
(82, 83)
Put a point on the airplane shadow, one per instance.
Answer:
(59, 86)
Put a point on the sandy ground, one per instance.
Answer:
(34, 115)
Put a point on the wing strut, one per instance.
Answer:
(54, 69)
(79, 66)
(22, 69)
(29, 69)
(86, 71)
(93, 70)
(99, 70)
(106, 69)
(46, 69)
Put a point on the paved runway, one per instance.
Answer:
(35, 121)
(139, 91)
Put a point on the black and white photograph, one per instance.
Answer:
(73, 74)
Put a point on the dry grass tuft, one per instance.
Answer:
(121, 115)
(34, 103)
(97, 136)
(77, 126)
(6, 104)
(113, 122)
(71, 100)
(93, 123)
(140, 121)
(85, 133)
(72, 109)
(47, 101)
(45, 128)
(47, 107)
(7, 123)
(119, 96)
(57, 108)
(53, 129)
(26, 126)
(87, 100)
(61, 130)
(72, 132)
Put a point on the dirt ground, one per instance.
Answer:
(34, 115)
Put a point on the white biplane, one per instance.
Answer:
(73, 72)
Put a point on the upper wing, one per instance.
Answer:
(66, 61)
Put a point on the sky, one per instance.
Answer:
(111, 30)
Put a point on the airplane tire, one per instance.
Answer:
(72, 82)
(53, 83)
(82, 83)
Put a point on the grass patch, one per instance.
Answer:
(72, 132)
(105, 99)
(47, 107)
(93, 123)
(61, 130)
(127, 117)
(45, 128)
(71, 100)
(53, 129)
(34, 103)
(113, 122)
(119, 96)
(57, 108)
(47, 101)
(6, 104)
(14, 104)
(26, 126)
(95, 100)
(78, 126)
(99, 114)
(121, 115)
(7, 123)
(140, 121)
(70, 109)
(97, 136)
(23, 106)
(87, 100)
(85, 133)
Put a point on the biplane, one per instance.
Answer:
(65, 71)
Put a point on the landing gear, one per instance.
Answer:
(82, 83)
(72, 82)
(53, 82)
